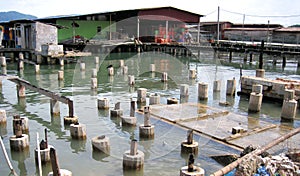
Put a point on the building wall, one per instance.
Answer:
(245, 35)
(45, 34)
(86, 29)
(286, 37)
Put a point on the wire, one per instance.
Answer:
(261, 16)
(210, 13)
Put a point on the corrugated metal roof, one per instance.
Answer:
(155, 13)
(249, 29)
(170, 14)
(290, 29)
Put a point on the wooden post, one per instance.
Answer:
(191, 163)
(54, 162)
(146, 116)
(230, 55)
(261, 54)
(46, 138)
(71, 110)
(17, 126)
(283, 61)
(133, 147)
(132, 108)
(190, 136)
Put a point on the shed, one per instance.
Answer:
(162, 22)
(286, 35)
(29, 34)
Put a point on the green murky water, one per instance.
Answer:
(162, 154)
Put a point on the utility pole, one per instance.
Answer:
(243, 25)
(218, 27)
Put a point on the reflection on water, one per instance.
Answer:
(162, 154)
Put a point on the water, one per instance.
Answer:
(162, 155)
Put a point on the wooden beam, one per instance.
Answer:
(45, 92)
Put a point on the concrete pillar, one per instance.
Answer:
(133, 159)
(217, 86)
(21, 65)
(125, 70)
(110, 71)
(70, 120)
(172, 100)
(78, 131)
(101, 143)
(94, 83)
(131, 80)
(164, 77)
(260, 73)
(37, 68)
(152, 67)
(94, 73)
(131, 119)
(289, 107)
(103, 103)
(189, 146)
(2, 116)
(54, 107)
(96, 60)
(202, 91)
(154, 99)
(25, 124)
(146, 130)
(117, 112)
(231, 87)
(61, 61)
(184, 90)
(3, 61)
(60, 75)
(4, 71)
(38, 59)
(44, 154)
(192, 74)
(21, 56)
(141, 94)
(82, 66)
(21, 91)
(190, 169)
(256, 97)
(121, 63)
(289, 94)
(19, 143)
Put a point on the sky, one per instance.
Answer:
(284, 12)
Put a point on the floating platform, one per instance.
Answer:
(233, 129)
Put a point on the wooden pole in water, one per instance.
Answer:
(54, 162)
(234, 164)
(6, 157)
(261, 54)
(283, 61)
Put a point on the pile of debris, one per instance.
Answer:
(267, 165)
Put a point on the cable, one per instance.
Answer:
(210, 13)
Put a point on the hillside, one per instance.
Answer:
(13, 15)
